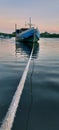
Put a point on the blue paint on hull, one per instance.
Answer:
(28, 35)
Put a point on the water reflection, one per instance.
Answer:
(23, 48)
(39, 106)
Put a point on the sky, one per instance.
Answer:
(44, 14)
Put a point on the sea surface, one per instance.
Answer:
(39, 105)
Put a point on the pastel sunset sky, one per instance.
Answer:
(44, 14)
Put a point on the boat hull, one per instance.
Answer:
(30, 35)
(29, 39)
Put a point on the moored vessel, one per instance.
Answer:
(30, 34)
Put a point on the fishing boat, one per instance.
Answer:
(30, 34)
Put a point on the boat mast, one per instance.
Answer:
(15, 27)
(30, 22)
(15, 30)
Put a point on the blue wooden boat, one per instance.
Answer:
(30, 34)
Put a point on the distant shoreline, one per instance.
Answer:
(5, 35)
(49, 35)
(42, 35)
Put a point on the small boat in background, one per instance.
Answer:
(30, 34)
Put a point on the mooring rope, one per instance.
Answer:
(9, 118)
(31, 96)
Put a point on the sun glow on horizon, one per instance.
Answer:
(8, 26)
(44, 14)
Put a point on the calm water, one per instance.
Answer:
(39, 105)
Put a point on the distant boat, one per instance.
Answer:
(30, 34)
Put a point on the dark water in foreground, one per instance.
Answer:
(39, 106)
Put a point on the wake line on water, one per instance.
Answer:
(9, 118)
